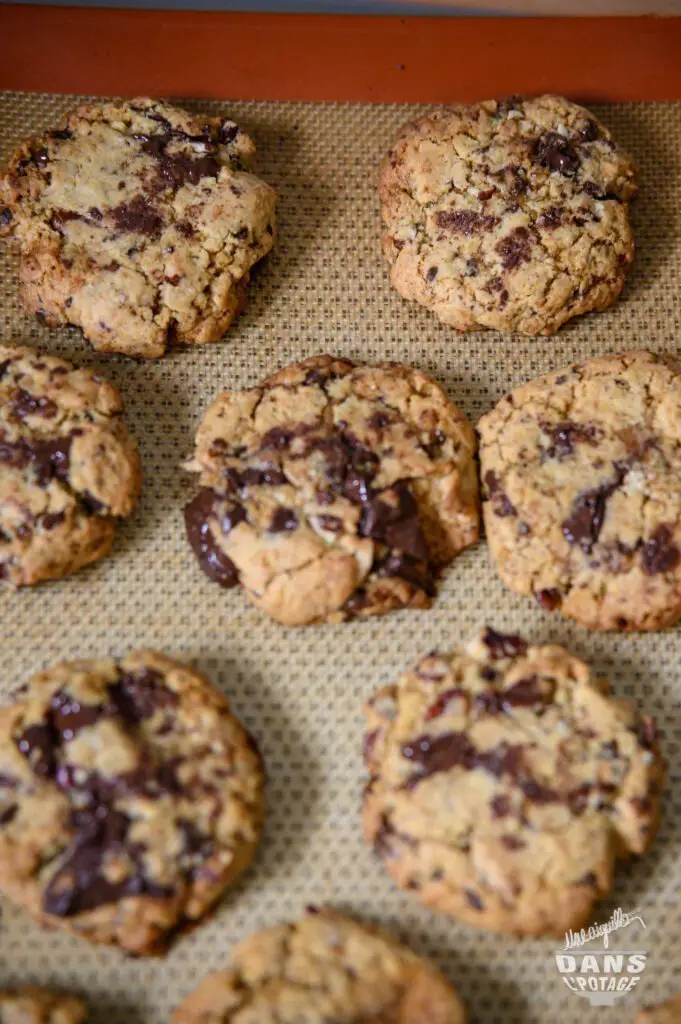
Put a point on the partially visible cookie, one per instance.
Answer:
(68, 467)
(137, 222)
(668, 1012)
(325, 967)
(130, 798)
(32, 1005)
(511, 215)
(333, 490)
(505, 782)
(581, 472)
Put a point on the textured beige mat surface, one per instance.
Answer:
(325, 288)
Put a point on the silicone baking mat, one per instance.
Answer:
(325, 289)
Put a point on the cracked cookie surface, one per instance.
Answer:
(130, 798)
(668, 1012)
(137, 222)
(68, 468)
(510, 215)
(505, 781)
(29, 1004)
(581, 473)
(333, 490)
(325, 967)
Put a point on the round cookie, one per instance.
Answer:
(333, 490)
(668, 1012)
(511, 215)
(130, 798)
(68, 468)
(325, 967)
(31, 1005)
(582, 485)
(137, 222)
(505, 782)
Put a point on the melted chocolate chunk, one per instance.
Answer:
(440, 753)
(38, 744)
(139, 695)
(549, 599)
(557, 153)
(80, 883)
(255, 476)
(176, 168)
(49, 458)
(138, 216)
(504, 759)
(68, 716)
(589, 131)
(524, 693)
(350, 467)
(551, 218)
(538, 793)
(453, 696)
(500, 806)
(406, 568)
(466, 222)
(231, 517)
(475, 901)
(52, 519)
(501, 503)
(228, 132)
(196, 844)
(211, 558)
(8, 814)
(660, 554)
(5, 216)
(24, 404)
(283, 520)
(565, 435)
(392, 517)
(578, 799)
(584, 525)
(503, 645)
(431, 274)
(515, 248)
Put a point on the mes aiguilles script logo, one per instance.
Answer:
(601, 974)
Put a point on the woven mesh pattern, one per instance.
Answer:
(325, 288)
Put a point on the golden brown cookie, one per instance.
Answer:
(325, 967)
(68, 468)
(31, 1005)
(130, 798)
(511, 215)
(333, 490)
(582, 491)
(138, 222)
(505, 782)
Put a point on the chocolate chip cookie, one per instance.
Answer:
(668, 1012)
(505, 781)
(333, 490)
(130, 798)
(137, 222)
(325, 967)
(511, 215)
(31, 1005)
(68, 468)
(582, 491)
